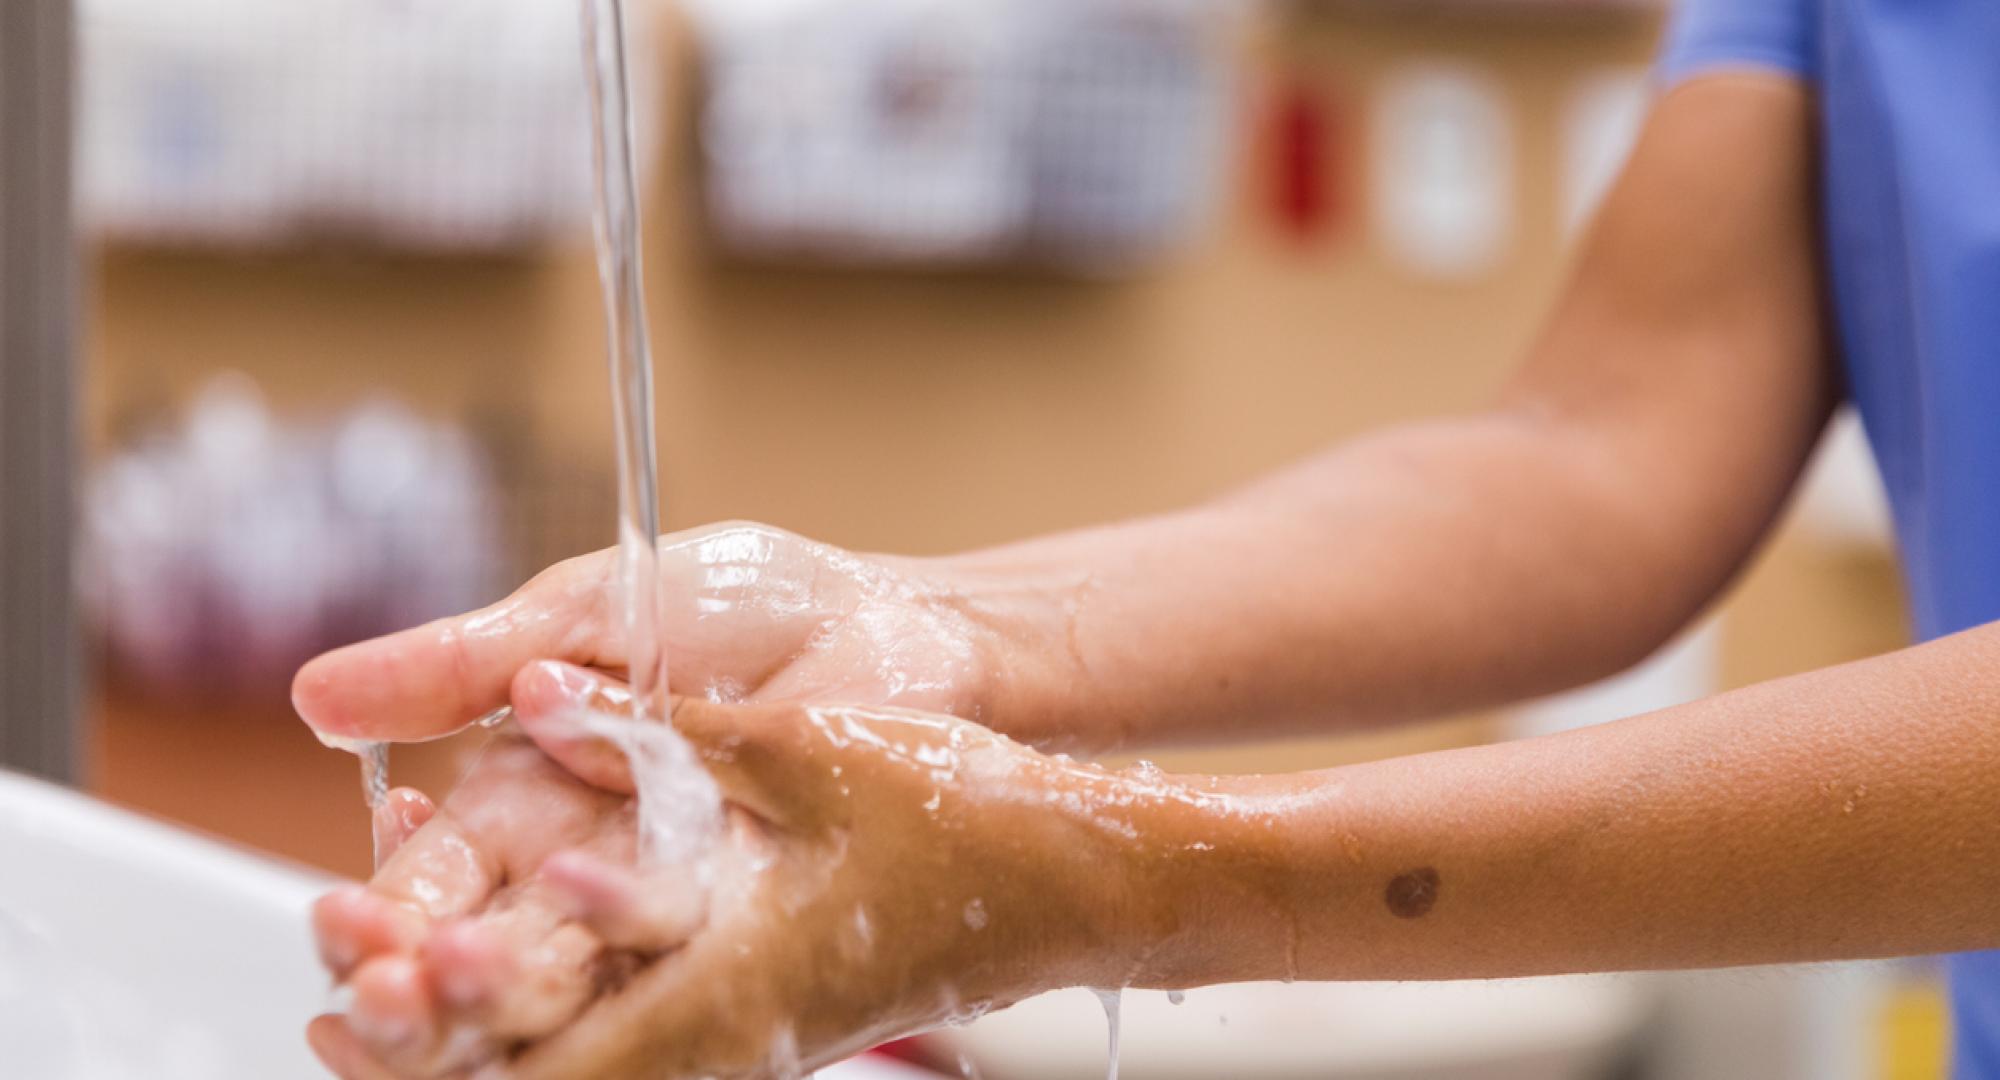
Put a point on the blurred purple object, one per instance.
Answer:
(223, 552)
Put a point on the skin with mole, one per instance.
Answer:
(1412, 895)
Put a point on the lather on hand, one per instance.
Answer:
(883, 871)
(750, 614)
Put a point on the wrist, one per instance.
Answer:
(1021, 620)
(1214, 882)
(1153, 880)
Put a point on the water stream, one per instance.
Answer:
(679, 807)
(1113, 1000)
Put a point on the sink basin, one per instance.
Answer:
(133, 950)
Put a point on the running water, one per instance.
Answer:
(680, 809)
(630, 344)
(1112, 1001)
(679, 806)
(374, 779)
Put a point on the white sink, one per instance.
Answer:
(132, 950)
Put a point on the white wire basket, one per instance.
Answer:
(439, 124)
(1087, 133)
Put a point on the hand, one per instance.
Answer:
(883, 872)
(750, 614)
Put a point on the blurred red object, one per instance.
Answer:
(1303, 129)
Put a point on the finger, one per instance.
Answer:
(642, 912)
(340, 1051)
(490, 981)
(353, 925)
(763, 757)
(398, 818)
(682, 1016)
(551, 700)
(392, 1014)
(437, 678)
(572, 713)
(442, 871)
(469, 967)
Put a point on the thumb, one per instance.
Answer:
(763, 757)
(435, 679)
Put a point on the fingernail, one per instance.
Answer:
(573, 682)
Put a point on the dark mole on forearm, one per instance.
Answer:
(1412, 895)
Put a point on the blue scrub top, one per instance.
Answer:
(1909, 99)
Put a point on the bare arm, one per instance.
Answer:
(1608, 493)
(1843, 814)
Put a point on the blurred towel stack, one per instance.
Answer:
(445, 124)
(1081, 132)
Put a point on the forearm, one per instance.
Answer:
(1440, 567)
(1843, 814)
(1630, 466)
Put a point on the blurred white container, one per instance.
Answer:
(448, 124)
(1442, 139)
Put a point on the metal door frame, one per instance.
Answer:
(40, 646)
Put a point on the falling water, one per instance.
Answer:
(680, 810)
(618, 264)
(1112, 1001)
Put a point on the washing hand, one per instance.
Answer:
(881, 873)
(749, 614)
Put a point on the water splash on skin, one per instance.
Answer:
(1112, 1000)
(968, 1069)
(680, 806)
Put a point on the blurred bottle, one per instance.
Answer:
(224, 549)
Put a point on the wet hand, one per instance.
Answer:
(882, 872)
(749, 613)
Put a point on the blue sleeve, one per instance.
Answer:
(1781, 35)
